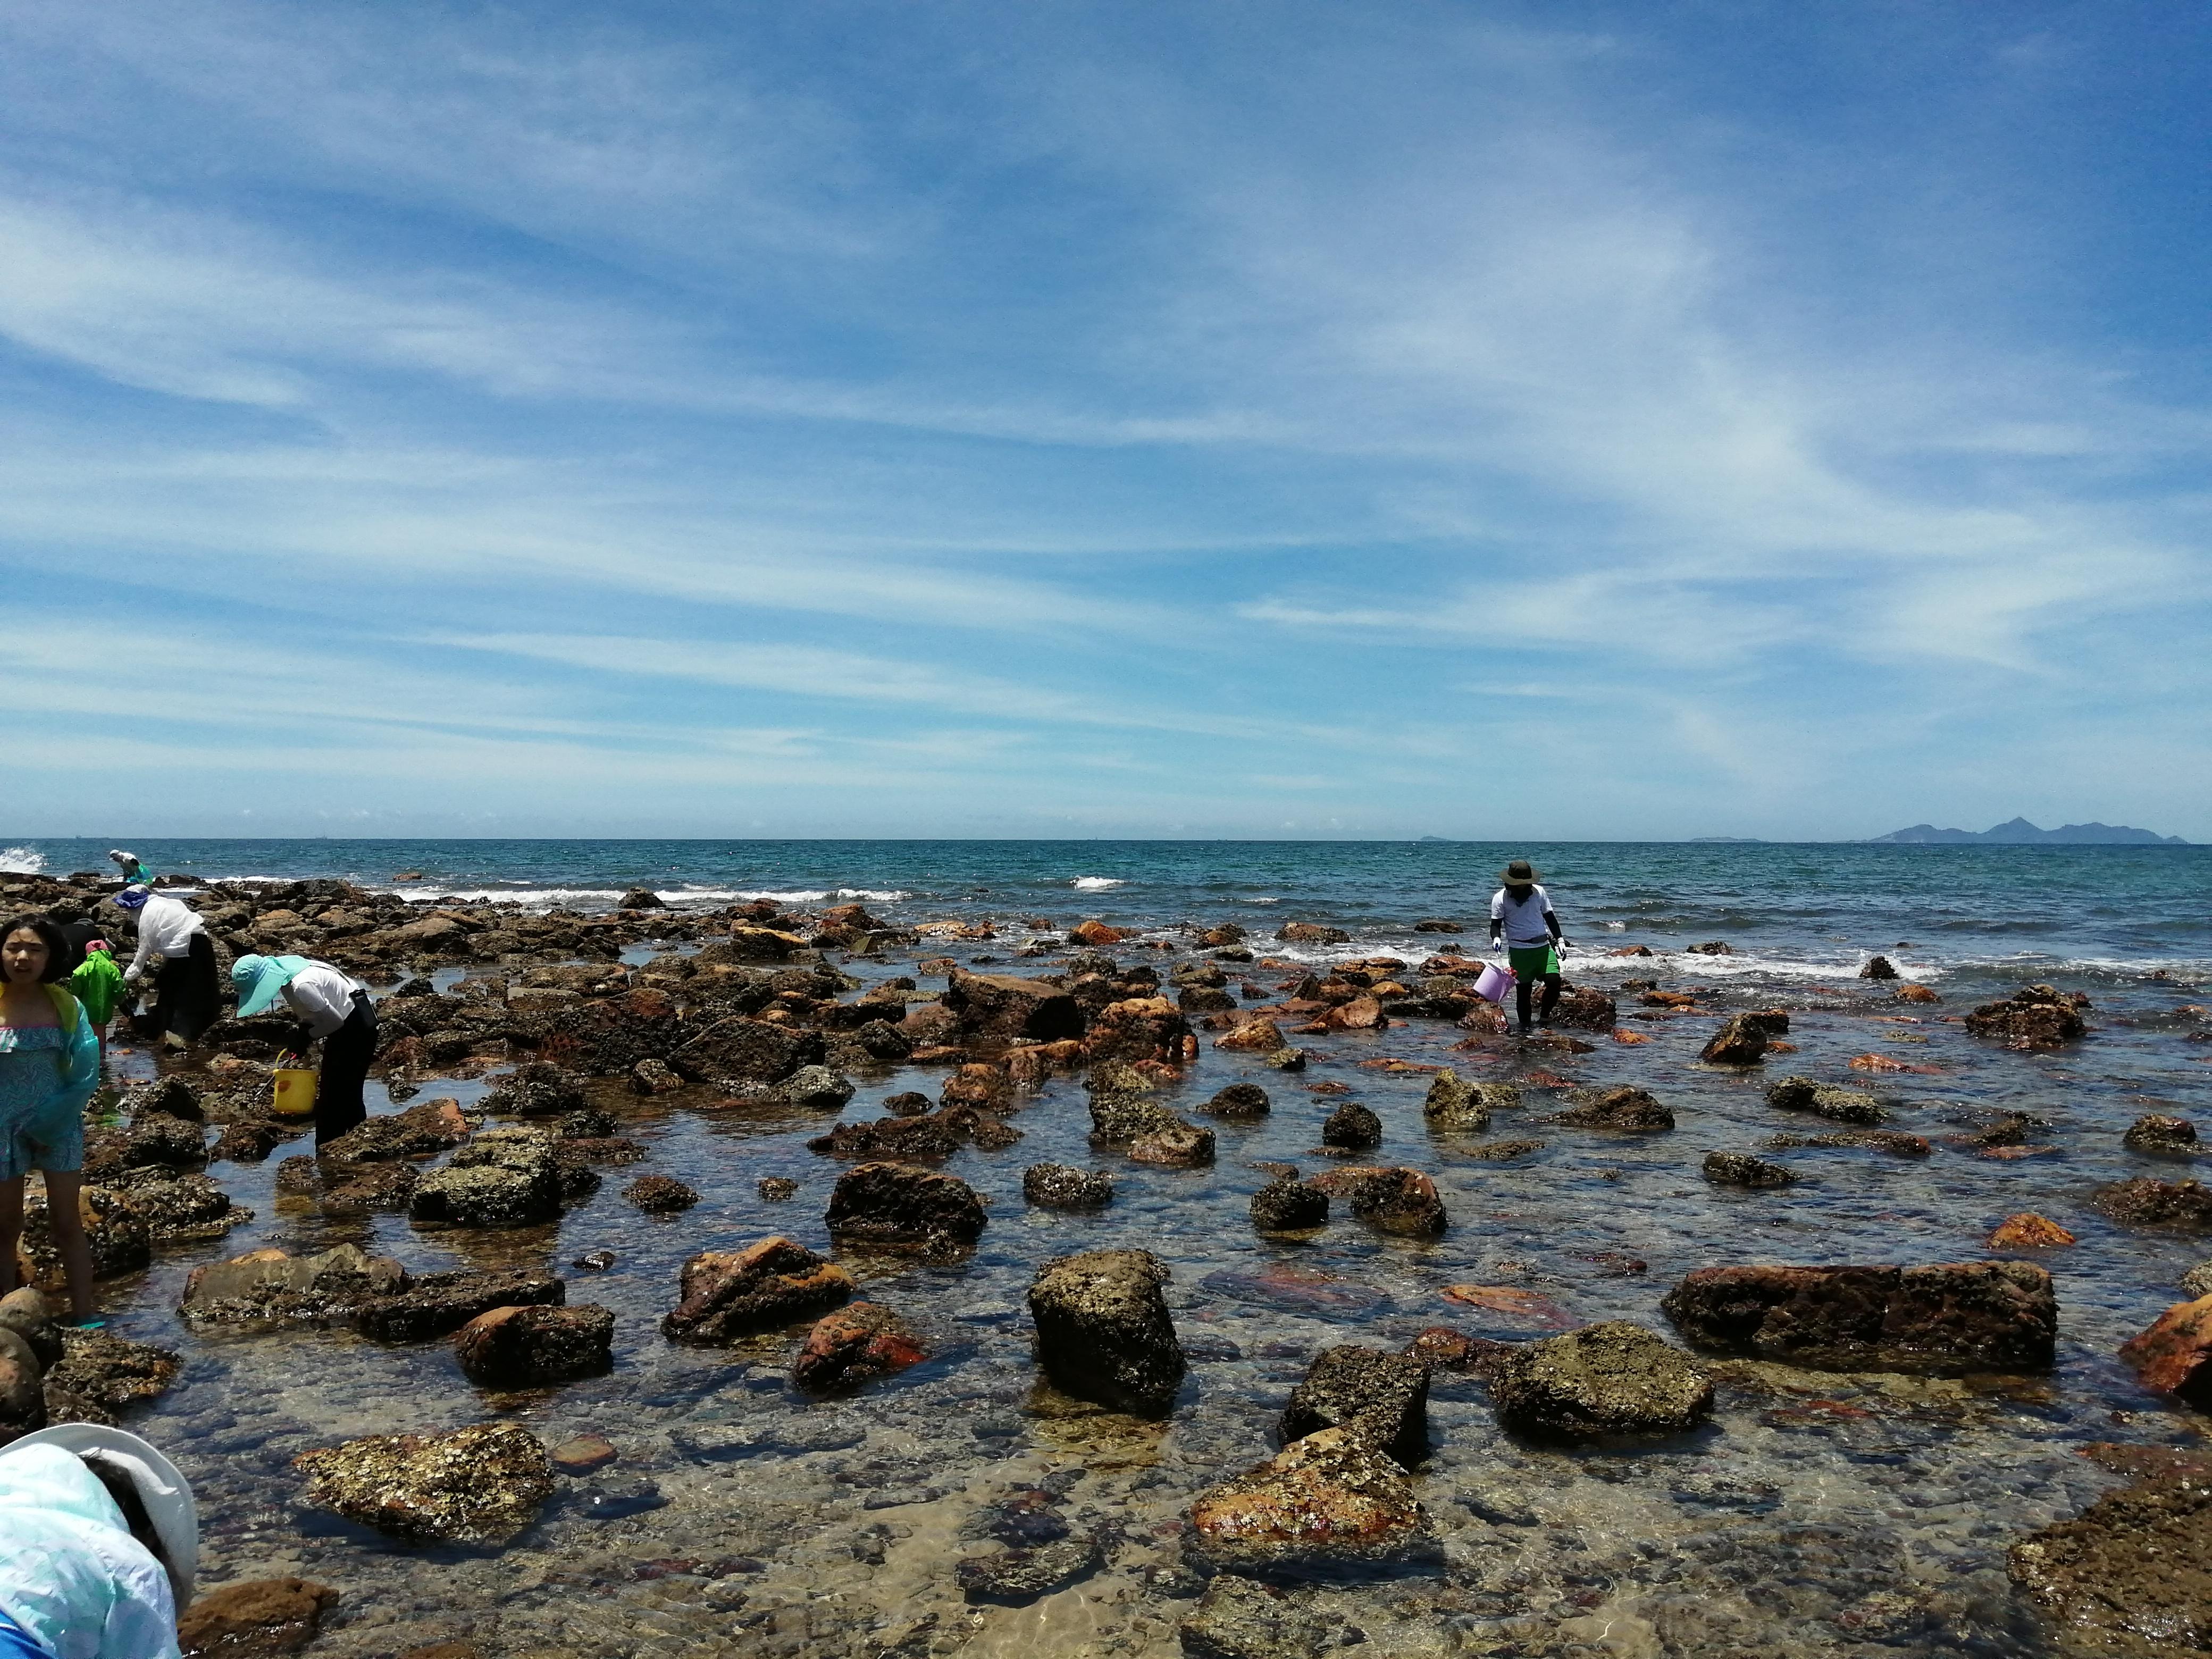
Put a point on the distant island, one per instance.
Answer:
(2021, 833)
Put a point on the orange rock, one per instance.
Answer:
(1096, 932)
(2029, 1232)
(1916, 993)
(1781, 1048)
(2174, 1355)
(1260, 1035)
(862, 1341)
(1877, 1063)
(1627, 1037)
(1036, 1061)
(1362, 1013)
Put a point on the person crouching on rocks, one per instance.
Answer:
(132, 866)
(100, 1547)
(1520, 915)
(187, 992)
(49, 1066)
(329, 1006)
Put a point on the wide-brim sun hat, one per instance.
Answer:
(133, 897)
(259, 979)
(1520, 871)
(160, 1488)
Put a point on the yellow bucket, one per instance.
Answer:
(296, 1092)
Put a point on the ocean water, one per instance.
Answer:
(1819, 1515)
(1802, 912)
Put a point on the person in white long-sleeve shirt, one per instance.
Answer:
(187, 991)
(332, 1008)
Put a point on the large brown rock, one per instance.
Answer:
(861, 1341)
(256, 1619)
(606, 1037)
(481, 1484)
(1586, 1006)
(532, 1347)
(1614, 1378)
(897, 1204)
(1103, 1332)
(1950, 1317)
(772, 1282)
(2174, 1355)
(1259, 1035)
(269, 1285)
(1381, 1397)
(1455, 1103)
(1001, 1007)
(1331, 1504)
(110, 1372)
(1139, 1029)
(2130, 1577)
(735, 1051)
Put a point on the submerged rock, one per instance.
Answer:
(1742, 1169)
(1803, 1094)
(1061, 1186)
(536, 1088)
(1329, 1505)
(434, 1304)
(861, 1341)
(111, 1372)
(1103, 1332)
(1238, 1618)
(1612, 1378)
(2130, 1577)
(660, 1195)
(1951, 1317)
(1381, 1398)
(2144, 1201)
(1239, 1101)
(268, 1284)
(1015, 1577)
(532, 1347)
(1175, 1145)
(177, 1208)
(2176, 1135)
(114, 1230)
(898, 1204)
(481, 1484)
(772, 1282)
(256, 1619)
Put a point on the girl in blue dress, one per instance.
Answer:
(49, 1066)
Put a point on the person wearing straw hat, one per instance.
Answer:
(1521, 918)
(188, 991)
(329, 1006)
(99, 1543)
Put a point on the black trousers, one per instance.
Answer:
(187, 997)
(347, 1053)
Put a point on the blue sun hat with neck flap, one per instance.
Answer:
(132, 898)
(259, 979)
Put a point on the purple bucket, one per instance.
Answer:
(1495, 983)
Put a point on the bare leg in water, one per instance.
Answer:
(67, 1224)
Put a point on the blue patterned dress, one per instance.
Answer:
(46, 1075)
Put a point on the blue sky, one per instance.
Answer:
(1546, 420)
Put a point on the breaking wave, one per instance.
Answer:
(22, 860)
(1094, 884)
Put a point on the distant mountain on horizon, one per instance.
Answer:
(2019, 832)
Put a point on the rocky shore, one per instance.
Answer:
(1051, 1268)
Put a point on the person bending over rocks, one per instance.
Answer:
(49, 1066)
(100, 1547)
(329, 1006)
(187, 997)
(1521, 918)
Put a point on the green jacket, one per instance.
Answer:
(98, 984)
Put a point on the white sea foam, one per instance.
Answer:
(1094, 884)
(1259, 901)
(22, 860)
